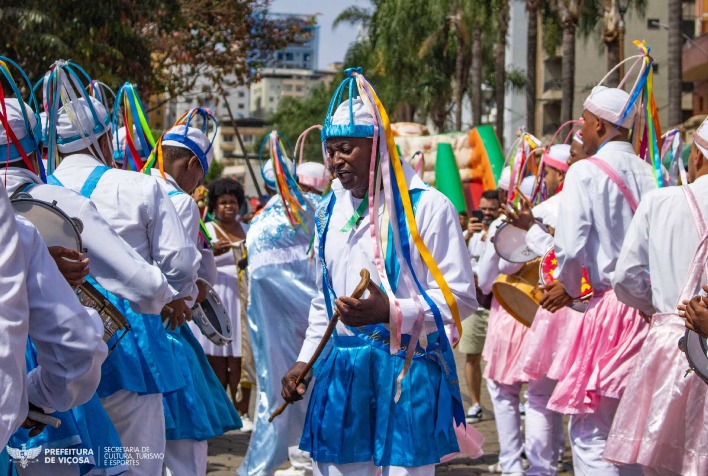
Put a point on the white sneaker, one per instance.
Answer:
(474, 414)
(494, 468)
(292, 471)
(247, 424)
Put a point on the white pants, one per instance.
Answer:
(588, 436)
(544, 429)
(369, 469)
(186, 457)
(505, 400)
(299, 459)
(140, 422)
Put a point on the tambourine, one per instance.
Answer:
(212, 318)
(549, 271)
(696, 349)
(58, 229)
(510, 244)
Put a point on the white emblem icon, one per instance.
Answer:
(25, 455)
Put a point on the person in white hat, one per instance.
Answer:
(113, 264)
(280, 287)
(183, 157)
(140, 211)
(361, 415)
(543, 353)
(602, 193)
(502, 348)
(662, 417)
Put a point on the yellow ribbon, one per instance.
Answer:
(410, 217)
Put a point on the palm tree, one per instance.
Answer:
(569, 11)
(675, 45)
(480, 23)
(454, 27)
(532, 38)
(502, 13)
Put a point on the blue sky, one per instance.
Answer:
(333, 43)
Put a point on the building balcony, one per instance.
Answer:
(695, 59)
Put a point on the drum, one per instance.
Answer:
(510, 244)
(518, 293)
(58, 229)
(212, 318)
(549, 271)
(696, 349)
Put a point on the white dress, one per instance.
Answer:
(226, 287)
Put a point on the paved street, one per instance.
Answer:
(226, 452)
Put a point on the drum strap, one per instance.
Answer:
(615, 177)
(92, 180)
(24, 188)
(697, 267)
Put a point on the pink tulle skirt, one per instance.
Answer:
(662, 419)
(546, 347)
(601, 356)
(503, 347)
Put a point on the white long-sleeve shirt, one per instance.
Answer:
(14, 323)
(537, 238)
(112, 262)
(594, 216)
(658, 249)
(68, 337)
(140, 211)
(348, 252)
(188, 212)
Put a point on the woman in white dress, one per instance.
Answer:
(228, 238)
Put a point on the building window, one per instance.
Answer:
(288, 56)
(271, 99)
(241, 94)
(228, 138)
(240, 106)
(298, 88)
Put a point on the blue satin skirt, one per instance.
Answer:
(201, 409)
(143, 361)
(85, 427)
(352, 417)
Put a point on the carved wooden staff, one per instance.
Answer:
(358, 292)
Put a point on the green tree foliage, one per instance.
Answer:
(159, 44)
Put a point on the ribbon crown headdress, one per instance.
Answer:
(180, 133)
(138, 142)
(645, 128)
(64, 89)
(16, 148)
(284, 179)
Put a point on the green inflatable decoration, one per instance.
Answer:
(495, 154)
(447, 177)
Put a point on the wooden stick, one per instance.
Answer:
(44, 418)
(358, 292)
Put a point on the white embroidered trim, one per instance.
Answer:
(277, 256)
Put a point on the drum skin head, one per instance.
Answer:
(53, 225)
(510, 244)
(212, 318)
